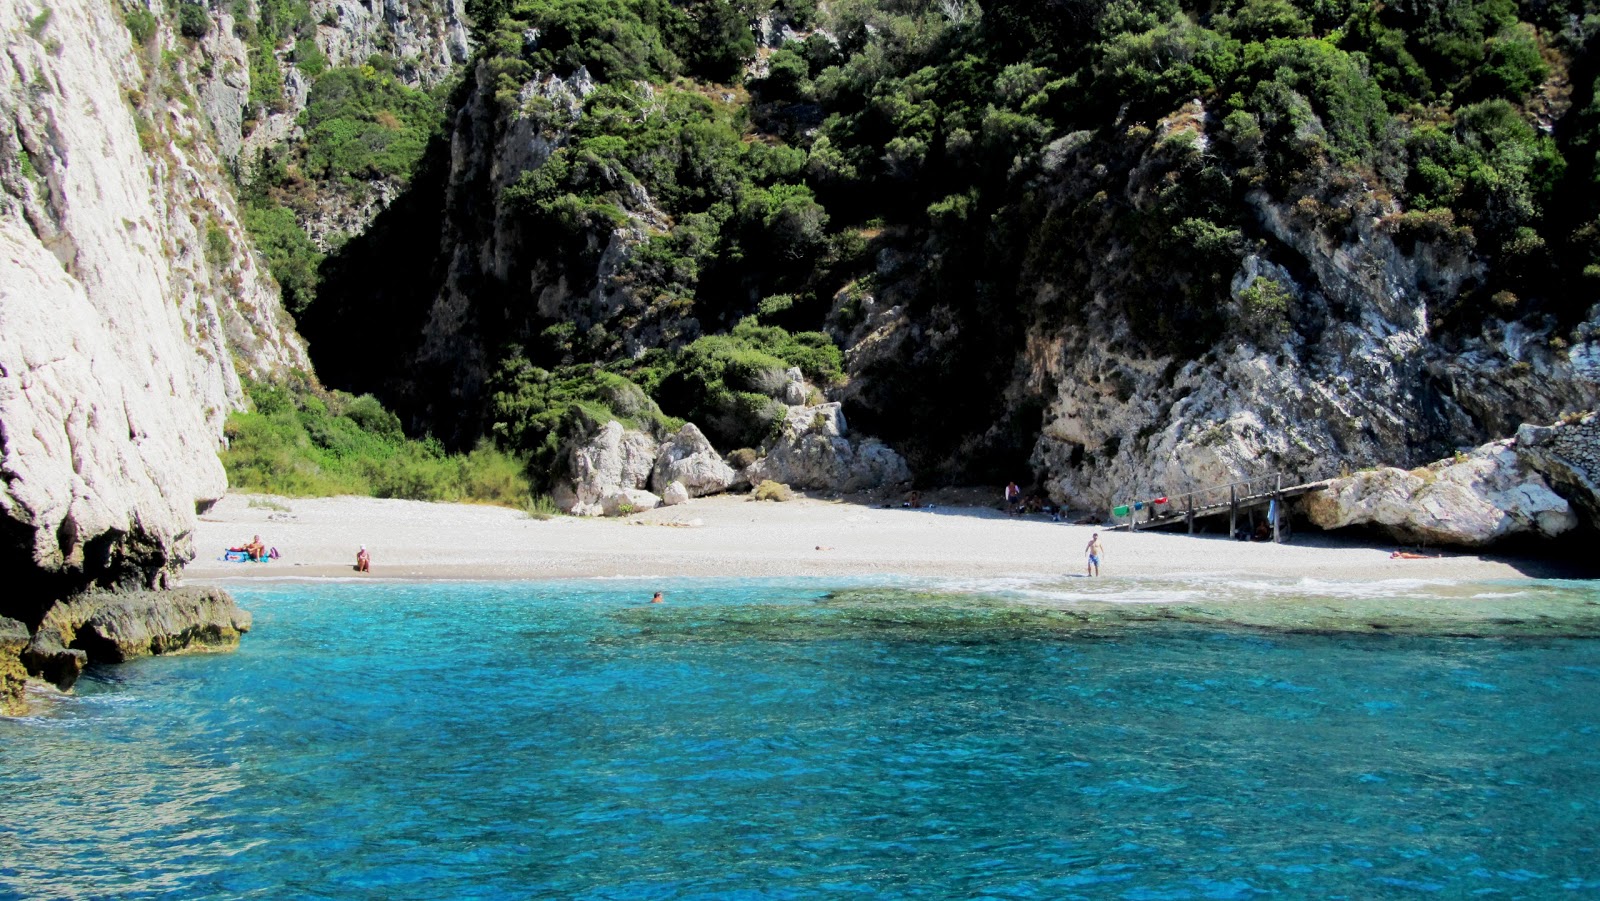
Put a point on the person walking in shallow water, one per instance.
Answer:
(1095, 550)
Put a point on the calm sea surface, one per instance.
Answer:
(776, 740)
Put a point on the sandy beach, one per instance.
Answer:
(733, 536)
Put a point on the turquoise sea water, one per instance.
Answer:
(768, 740)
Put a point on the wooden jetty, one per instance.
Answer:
(1161, 511)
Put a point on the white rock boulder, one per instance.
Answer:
(674, 494)
(603, 468)
(1475, 501)
(811, 451)
(688, 459)
(624, 501)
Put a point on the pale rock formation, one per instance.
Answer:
(812, 451)
(428, 37)
(1568, 456)
(1477, 501)
(628, 500)
(604, 469)
(674, 494)
(795, 391)
(123, 325)
(688, 459)
(1349, 376)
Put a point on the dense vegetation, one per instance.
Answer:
(949, 157)
(362, 125)
(308, 443)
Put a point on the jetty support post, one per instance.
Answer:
(1189, 514)
(1277, 511)
(1233, 511)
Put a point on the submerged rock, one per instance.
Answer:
(1475, 501)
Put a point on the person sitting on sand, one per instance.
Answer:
(363, 560)
(255, 549)
(914, 499)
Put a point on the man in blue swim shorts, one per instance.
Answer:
(1095, 550)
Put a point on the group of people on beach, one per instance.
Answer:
(1017, 503)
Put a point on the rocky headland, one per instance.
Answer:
(130, 309)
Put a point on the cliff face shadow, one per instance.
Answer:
(377, 292)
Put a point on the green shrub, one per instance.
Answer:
(291, 257)
(302, 443)
(141, 24)
(309, 58)
(769, 490)
(541, 507)
(193, 20)
(363, 123)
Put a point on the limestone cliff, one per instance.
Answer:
(1329, 353)
(130, 305)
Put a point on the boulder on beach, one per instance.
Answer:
(688, 459)
(602, 465)
(812, 451)
(1476, 500)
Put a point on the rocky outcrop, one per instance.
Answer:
(689, 460)
(1568, 456)
(811, 451)
(1476, 501)
(129, 306)
(607, 470)
(114, 627)
(14, 639)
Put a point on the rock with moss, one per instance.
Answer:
(102, 626)
(688, 459)
(1476, 500)
(628, 501)
(812, 451)
(13, 676)
(118, 626)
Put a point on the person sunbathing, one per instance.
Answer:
(255, 549)
(363, 560)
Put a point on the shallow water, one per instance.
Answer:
(771, 740)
